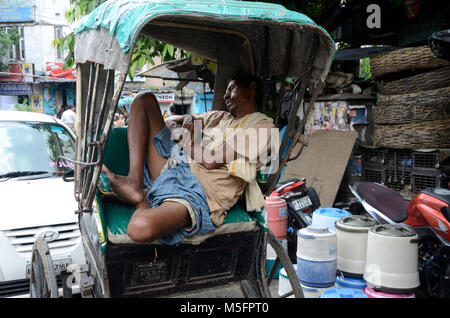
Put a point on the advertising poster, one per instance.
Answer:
(37, 103)
(71, 96)
(328, 116)
(16, 10)
(28, 72)
(49, 101)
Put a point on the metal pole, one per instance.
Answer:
(78, 130)
(287, 64)
(83, 136)
(92, 187)
(290, 133)
(89, 137)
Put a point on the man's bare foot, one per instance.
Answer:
(113, 197)
(128, 190)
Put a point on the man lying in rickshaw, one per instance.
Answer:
(185, 188)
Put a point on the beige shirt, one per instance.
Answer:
(222, 186)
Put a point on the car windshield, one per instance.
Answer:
(28, 148)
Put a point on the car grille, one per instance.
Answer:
(19, 287)
(23, 239)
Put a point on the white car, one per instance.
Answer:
(35, 200)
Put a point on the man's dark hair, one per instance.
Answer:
(245, 80)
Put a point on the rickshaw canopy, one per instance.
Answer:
(255, 37)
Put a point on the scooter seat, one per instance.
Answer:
(385, 200)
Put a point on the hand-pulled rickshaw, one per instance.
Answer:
(259, 38)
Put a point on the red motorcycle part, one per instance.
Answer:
(288, 188)
(425, 210)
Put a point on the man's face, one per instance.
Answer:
(235, 96)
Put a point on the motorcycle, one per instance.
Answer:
(428, 213)
(301, 202)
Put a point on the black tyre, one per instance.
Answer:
(283, 257)
(42, 277)
(315, 200)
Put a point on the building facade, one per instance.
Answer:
(36, 76)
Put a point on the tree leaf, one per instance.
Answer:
(164, 52)
(132, 70)
(77, 12)
(141, 62)
(170, 49)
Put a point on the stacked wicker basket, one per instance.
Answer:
(413, 106)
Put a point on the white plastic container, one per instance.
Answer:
(270, 258)
(326, 217)
(351, 232)
(316, 256)
(284, 286)
(314, 292)
(392, 259)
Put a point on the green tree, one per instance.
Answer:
(24, 106)
(6, 40)
(144, 51)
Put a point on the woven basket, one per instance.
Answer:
(405, 60)
(424, 135)
(424, 81)
(406, 108)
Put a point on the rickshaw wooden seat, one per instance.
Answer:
(117, 216)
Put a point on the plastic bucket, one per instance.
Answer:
(276, 209)
(326, 217)
(350, 282)
(313, 292)
(392, 259)
(352, 232)
(316, 274)
(372, 293)
(343, 293)
(284, 286)
(316, 257)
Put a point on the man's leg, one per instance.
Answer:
(145, 122)
(147, 224)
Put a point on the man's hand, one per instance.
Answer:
(174, 123)
(188, 124)
(171, 124)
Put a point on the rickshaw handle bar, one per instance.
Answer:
(82, 164)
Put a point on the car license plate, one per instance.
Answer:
(302, 203)
(60, 265)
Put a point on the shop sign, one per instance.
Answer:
(16, 10)
(165, 97)
(15, 89)
(56, 70)
(15, 75)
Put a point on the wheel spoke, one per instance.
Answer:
(283, 257)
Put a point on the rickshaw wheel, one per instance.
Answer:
(42, 277)
(283, 257)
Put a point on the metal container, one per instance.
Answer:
(392, 259)
(351, 232)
